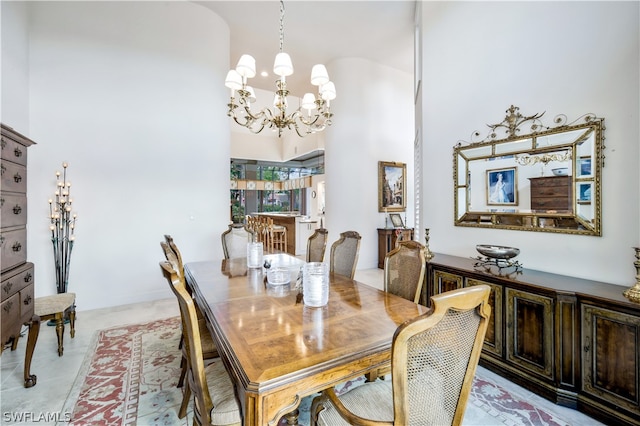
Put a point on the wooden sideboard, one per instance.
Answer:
(17, 294)
(387, 240)
(573, 341)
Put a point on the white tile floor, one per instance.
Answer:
(57, 374)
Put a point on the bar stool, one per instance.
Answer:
(53, 307)
(277, 237)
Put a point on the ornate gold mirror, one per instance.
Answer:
(545, 180)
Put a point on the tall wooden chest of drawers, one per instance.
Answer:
(551, 193)
(17, 287)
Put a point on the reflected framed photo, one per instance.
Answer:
(584, 166)
(584, 193)
(502, 187)
(392, 182)
(396, 220)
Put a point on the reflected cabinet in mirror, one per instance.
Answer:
(527, 176)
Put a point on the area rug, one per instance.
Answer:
(130, 373)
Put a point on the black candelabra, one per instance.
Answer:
(63, 223)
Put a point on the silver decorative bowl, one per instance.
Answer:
(497, 252)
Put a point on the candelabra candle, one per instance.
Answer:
(63, 224)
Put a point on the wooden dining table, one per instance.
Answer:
(276, 349)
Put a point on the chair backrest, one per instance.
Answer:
(434, 358)
(404, 269)
(344, 254)
(316, 245)
(234, 241)
(196, 374)
(176, 257)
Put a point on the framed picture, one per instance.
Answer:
(392, 183)
(502, 187)
(396, 220)
(392, 192)
(584, 166)
(584, 193)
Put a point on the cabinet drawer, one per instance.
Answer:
(13, 151)
(14, 209)
(14, 247)
(14, 177)
(445, 281)
(26, 303)
(10, 314)
(16, 279)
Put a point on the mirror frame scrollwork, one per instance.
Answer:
(519, 146)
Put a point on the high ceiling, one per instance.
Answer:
(318, 32)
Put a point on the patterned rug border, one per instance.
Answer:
(130, 415)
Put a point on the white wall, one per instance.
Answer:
(14, 106)
(129, 94)
(373, 122)
(560, 57)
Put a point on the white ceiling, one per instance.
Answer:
(318, 32)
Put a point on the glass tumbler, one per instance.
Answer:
(315, 284)
(254, 255)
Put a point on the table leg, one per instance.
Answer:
(34, 329)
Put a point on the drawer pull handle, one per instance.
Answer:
(17, 178)
(7, 287)
(16, 246)
(28, 277)
(17, 152)
(17, 209)
(3, 169)
(1, 240)
(27, 300)
(4, 143)
(8, 306)
(1, 202)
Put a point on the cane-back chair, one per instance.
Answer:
(433, 359)
(404, 269)
(344, 254)
(316, 245)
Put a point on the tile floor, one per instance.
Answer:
(57, 374)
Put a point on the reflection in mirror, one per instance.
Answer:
(547, 179)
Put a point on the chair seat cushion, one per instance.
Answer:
(373, 400)
(225, 405)
(47, 305)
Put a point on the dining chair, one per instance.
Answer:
(215, 402)
(316, 245)
(209, 350)
(234, 241)
(433, 359)
(277, 237)
(344, 254)
(404, 269)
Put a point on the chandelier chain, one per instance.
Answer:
(281, 24)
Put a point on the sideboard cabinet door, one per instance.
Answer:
(493, 337)
(530, 331)
(611, 357)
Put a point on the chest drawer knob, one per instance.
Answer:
(17, 152)
(17, 178)
(17, 209)
(7, 307)
(28, 277)
(27, 300)
(16, 246)
(7, 287)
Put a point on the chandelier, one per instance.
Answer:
(313, 115)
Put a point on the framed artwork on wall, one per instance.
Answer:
(396, 220)
(502, 187)
(392, 181)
